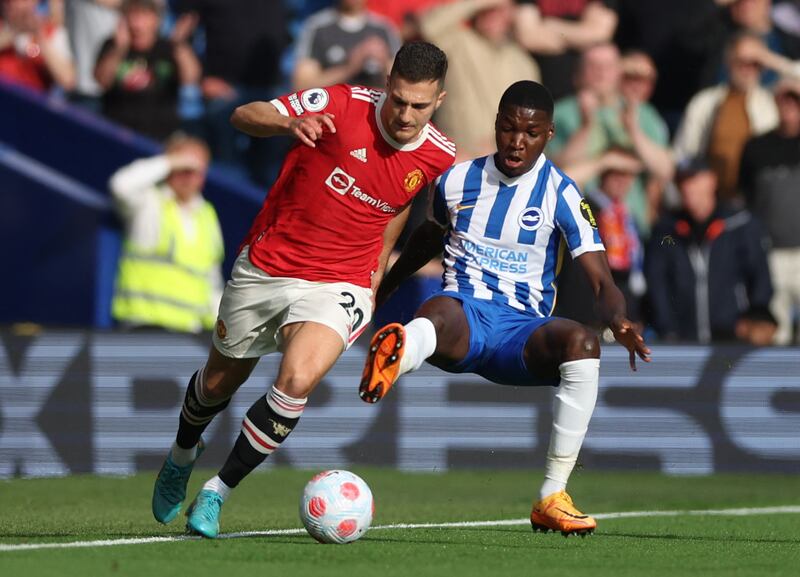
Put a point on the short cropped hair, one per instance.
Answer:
(739, 37)
(528, 94)
(156, 6)
(178, 140)
(420, 61)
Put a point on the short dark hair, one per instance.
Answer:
(420, 61)
(528, 94)
(690, 167)
(738, 37)
(156, 6)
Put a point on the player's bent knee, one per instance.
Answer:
(220, 385)
(581, 343)
(297, 382)
(223, 376)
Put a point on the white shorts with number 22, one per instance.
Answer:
(256, 305)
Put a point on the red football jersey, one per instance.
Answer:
(323, 219)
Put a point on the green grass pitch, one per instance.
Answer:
(83, 508)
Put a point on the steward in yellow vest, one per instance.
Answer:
(169, 272)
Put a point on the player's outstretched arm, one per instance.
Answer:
(424, 244)
(612, 307)
(262, 119)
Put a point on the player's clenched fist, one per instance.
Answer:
(309, 129)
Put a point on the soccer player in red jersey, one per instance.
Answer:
(304, 280)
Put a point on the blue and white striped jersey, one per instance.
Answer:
(506, 236)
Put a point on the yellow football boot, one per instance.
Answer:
(557, 513)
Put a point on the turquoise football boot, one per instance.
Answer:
(169, 491)
(203, 514)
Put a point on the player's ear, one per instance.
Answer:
(440, 99)
(551, 131)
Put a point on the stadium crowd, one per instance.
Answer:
(679, 120)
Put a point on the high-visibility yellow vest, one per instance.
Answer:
(169, 285)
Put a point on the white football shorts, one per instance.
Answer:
(255, 306)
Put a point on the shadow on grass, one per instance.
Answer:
(686, 537)
(86, 536)
(283, 539)
(534, 543)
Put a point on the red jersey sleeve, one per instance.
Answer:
(333, 99)
(444, 153)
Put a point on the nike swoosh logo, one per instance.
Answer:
(460, 207)
(568, 514)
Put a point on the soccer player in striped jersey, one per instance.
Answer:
(507, 220)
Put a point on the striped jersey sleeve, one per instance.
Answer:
(575, 219)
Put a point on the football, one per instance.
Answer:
(336, 507)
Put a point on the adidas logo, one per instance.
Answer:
(359, 153)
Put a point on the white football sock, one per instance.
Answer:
(181, 456)
(218, 486)
(572, 411)
(420, 344)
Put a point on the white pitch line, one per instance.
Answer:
(702, 512)
(453, 525)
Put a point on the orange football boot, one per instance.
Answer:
(382, 367)
(557, 513)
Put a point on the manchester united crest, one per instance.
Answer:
(413, 180)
